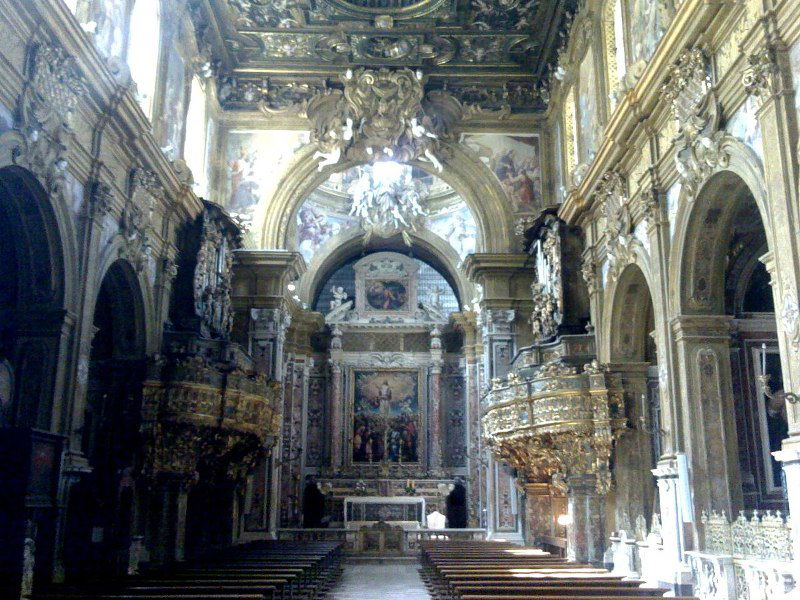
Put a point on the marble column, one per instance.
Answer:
(168, 534)
(538, 512)
(467, 324)
(586, 534)
(435, 420)
(337, 415)
(337, 400)
(435, 404)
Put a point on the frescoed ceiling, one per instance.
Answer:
(276, 54)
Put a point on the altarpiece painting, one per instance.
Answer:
(386, 416)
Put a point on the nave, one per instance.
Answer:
(444, 570)
(292, 286)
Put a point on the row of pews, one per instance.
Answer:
(503, 571)
(257, 571)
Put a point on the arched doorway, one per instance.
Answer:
(34, 328)
(726, 317)
(103, 505)
(632, 354)
(31, 295)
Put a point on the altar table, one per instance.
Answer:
(405, 511)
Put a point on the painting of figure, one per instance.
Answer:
(515, 160)
(387, 294)
(386, 416)
(316, 225)
(255, 162)
(587, 105)
(646, 29)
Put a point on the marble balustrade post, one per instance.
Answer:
(790, 458)
(672, 572)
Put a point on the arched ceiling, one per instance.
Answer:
(278, 53)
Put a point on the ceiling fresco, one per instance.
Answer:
(277, 54)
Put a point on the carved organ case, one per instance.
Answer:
(560, 298)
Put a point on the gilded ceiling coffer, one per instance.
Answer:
(557, 424)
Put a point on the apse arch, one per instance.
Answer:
(427, 246)
(463, 171)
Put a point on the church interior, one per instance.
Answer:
(444, 299)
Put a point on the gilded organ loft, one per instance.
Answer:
(352, 280)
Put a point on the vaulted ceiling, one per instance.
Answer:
(275, 54)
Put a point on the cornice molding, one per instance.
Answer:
(642, 101)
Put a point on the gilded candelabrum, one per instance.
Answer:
(561, 420)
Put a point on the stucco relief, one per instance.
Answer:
(790, 318)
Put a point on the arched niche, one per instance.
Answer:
(629, 346)
(120, 294)
(630, 319)
(33, 302)
(463, 171)
(722, 229)
(111, 266)
(427, 246)
(703, 229)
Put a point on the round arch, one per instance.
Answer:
(124, 291)
(463, 171)
(628, 315)
(37, 232)
(702, 230)
(140, 288)
(35, 299)
(109, 420)
(427, 246)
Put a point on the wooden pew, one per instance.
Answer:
(490, 571)
(258, 571)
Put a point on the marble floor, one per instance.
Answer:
(389, 580)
